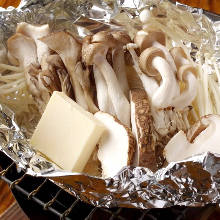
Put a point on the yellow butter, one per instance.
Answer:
(66, 133)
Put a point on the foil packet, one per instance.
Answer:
(193, 182)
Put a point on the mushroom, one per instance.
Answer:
(187, 73)
(142, 126)
(119, 59)
(35, 32)
(202, 137)
(55, 65)
(93, 166)
(94, 52)
(116, 146)
(83, 79)
(152, 60)
(23, 49)
(149, 83)
(68, 48)
(104, 101)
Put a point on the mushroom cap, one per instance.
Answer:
(23, 49)
(121, 36)
(35, 32)
(64, 44)
(116, 146)
(145, 15)
(89, 50)
(104, 37)
(146, 58)
(145, 39)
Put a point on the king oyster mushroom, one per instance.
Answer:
(118, 59)
(103, 99)
(94, 52)
(142, 127)
(202, 137)
(69, 50)
(116, 146)
(35, 32)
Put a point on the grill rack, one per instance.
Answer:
(50, 200)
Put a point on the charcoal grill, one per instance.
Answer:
(41, 199)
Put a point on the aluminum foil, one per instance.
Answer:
(192, 182)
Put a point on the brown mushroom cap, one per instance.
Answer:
(104, 37)
(146, 39)
(145, 60)
(121, 36)
(89, 50)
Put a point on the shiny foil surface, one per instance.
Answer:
(192, 182)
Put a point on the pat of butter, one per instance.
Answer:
(66, 133)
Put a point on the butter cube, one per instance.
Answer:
(66, 133)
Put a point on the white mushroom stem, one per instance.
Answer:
(149, 83)
(81, 79)
(154, 43)
(205, 138)
(168, 88)
(119, 68)
(104, 101)
(186, 98)
(119, 101)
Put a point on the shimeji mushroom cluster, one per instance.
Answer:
(139, 88)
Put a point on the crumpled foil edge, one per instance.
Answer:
(192, 182)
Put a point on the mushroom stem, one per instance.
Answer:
(168, 88)
(103, 99)
(119, 68)
(149, 83)
(81, 79)
(119, 101)
(186, 98)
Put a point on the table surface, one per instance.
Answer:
(6, 198)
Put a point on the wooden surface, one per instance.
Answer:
(209, 5)
(6, 198)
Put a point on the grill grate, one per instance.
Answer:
(53, 201)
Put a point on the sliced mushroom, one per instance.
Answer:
(23, 49)
(69, 50)
(149, 83)
(94, 53)
(203, 137)
(83, 80)
(142, 126)
(35, 32)
(119, 60)
(104, 101)
(116, 146)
